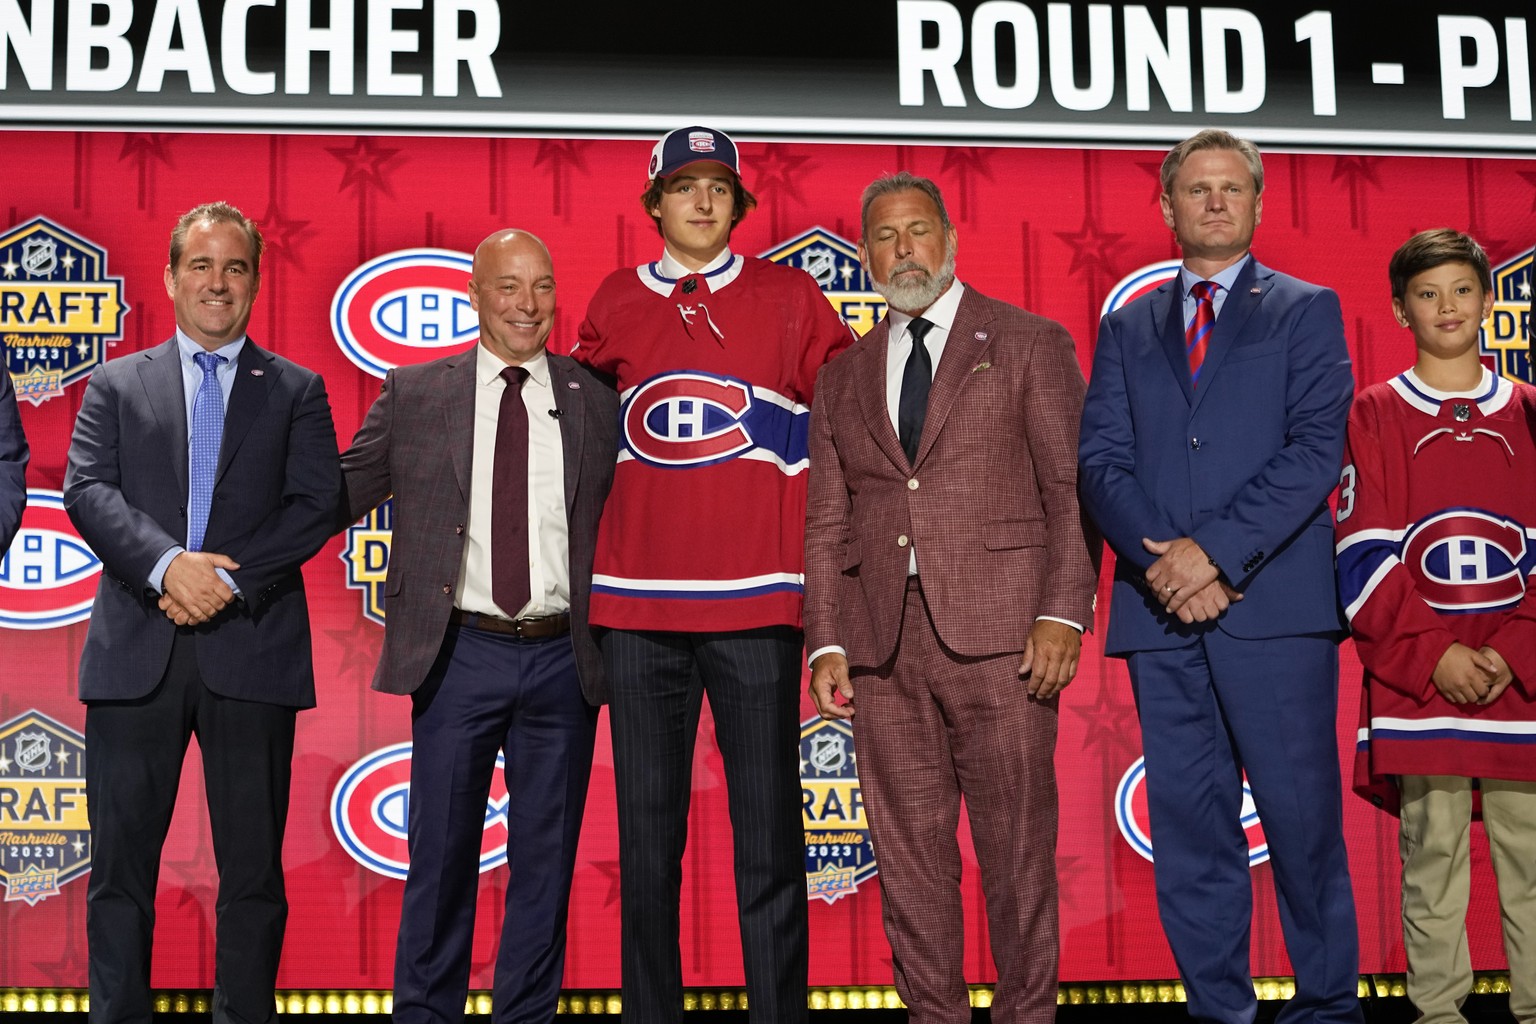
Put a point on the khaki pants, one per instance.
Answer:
(1434, 842)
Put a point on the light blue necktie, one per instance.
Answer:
(203, 458)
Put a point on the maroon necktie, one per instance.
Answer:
(509, 498)
(1199, 330)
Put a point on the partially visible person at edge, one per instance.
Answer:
(700, 567)
(13, 464)
(1436, 502)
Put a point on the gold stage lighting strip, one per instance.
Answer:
(369, 1002)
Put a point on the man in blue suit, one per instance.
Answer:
(1212, 435)
(13, 464)
(203, 473)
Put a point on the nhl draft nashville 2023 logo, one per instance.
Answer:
(838, 853)
(367, 557)
(1505, 334)
(58, 308)
(834, 262)
(45, 835)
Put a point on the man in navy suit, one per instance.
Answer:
(491, 662)
(13, 464)
(1212, 435)
(203, 473)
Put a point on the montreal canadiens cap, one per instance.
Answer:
(679, 148)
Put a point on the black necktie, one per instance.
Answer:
(915, 381)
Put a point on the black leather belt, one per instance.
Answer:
(542, 627)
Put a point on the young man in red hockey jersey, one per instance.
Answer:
(700, 565)
(1436, 531)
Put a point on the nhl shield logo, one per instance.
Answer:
(1506, 332)
(39, 256)
(838, 853)
(45, 833)
(32, 753)
(834, 262)
(59, 309)
(829, 752)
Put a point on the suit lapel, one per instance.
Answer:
(869, 384)
(571, 404)
(255, 376)
(969, 338)
(1240, 304)
(1167, 309)
(160, 373)
(456, 396)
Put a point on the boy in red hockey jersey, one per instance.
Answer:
(700, 566)
(1436, 533)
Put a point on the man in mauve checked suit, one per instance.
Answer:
(948, 581)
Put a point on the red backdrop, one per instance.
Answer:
(1050, 229)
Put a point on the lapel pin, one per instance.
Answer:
(981, 335)
(1255, 290)
(574, 385)
(981, 366)
(258, 373)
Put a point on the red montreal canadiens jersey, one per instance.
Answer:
(1436, 533)
(704, 527)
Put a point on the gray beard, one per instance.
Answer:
(913, 295)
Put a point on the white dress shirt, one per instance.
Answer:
(549, 579)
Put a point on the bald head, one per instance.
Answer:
(512, 287)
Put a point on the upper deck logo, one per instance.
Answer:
(838, 853)
(45, 833)
(1138, 283)
(370, 809)
(58, 307)
(1132, 818)
(834, 262)
(366, 557)
(1506, 332)
(48, 577)
(404, 308)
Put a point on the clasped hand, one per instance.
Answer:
(193, 592)
(1465, 676)
(1186, 582)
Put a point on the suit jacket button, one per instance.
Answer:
(902, 541)
(912, 484)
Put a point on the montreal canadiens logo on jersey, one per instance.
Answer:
(45, 833)
(1468, 560)
(1138, 283)
(1132, 818)
(688, 418)
(839, 855)
(59, 309)
(370, 809)
(403, 308)
(1505, 333)
(48, 577)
